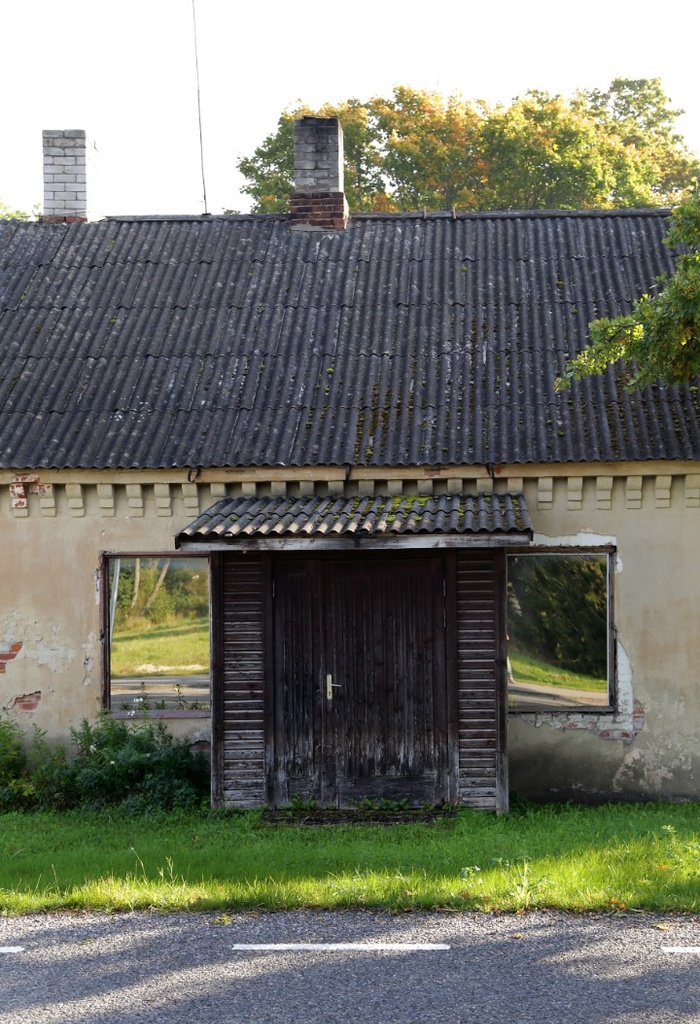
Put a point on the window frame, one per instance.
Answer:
(106, 639)
(610, 551)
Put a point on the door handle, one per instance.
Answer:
(330, 686)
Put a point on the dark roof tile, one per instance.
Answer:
(402, 340)
(233, 518)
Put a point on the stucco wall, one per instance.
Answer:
(54, 526)
(50, 607)
(648, 748)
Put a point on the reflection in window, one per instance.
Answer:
(558, 630)
(159, 635)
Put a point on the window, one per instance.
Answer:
(158, 627)
(559, 631)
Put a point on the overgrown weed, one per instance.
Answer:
(138, 766)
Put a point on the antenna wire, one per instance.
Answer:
(199, 109)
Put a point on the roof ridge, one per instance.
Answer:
(642, 211)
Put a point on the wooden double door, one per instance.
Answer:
(361, 692)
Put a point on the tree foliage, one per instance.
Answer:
(660, 339)
(160, 591)
(7, 213)
(418, 150)
(557, 610)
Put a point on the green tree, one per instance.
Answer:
(653, 166)
(270, 170)
(542, 154)
(660, 339)
(418, 149)
(6, 213)
(427, 151)
(557, 610)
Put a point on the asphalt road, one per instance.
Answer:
(537, 968)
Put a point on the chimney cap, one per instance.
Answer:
(64, 133)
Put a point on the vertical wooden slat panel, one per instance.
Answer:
(216, 646)
(243, 675)
(385, 640)
(452, 676)
(478, 679)
(296, 672)
(406, 720)
(501, 684)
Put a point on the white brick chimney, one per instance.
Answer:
(318, 202)
(65, 173)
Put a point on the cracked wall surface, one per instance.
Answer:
(645, 746)
(54, 524)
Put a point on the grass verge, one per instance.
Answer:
(527, 670)
(578, 859)
(173, 648)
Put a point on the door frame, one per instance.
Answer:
(243, 681)
(439, 566)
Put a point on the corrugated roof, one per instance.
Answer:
(404, 340)
(233, 519)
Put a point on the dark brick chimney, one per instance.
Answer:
(318, 202)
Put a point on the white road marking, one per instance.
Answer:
(405, 947)
(11, 949)
(680, 949)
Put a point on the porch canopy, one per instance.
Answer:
(405, 521)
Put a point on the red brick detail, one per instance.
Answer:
(325, 210)
(6, 656)
(25, 703)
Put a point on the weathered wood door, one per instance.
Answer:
(361, 691)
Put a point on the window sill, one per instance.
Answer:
(562, 709)
(134, 715)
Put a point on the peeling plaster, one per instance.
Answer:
(645, 770)
(8, 653)
(577, 540)
(38, 647)
(625, 723)
(24, 704)
(580, 540)
(90, 649)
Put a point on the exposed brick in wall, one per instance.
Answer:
(25, 703)
(619, 725)
(8, 652)
(322, 211)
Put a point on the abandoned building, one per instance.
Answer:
(347, 426)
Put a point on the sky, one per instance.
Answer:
(124, 70)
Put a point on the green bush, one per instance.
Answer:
(13, 766)
(137, 766)
(13, 759)
(141, 767)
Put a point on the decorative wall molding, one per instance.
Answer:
(157, 495)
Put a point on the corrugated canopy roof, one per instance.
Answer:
(232, 520)
(404, 340)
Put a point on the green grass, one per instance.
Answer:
(180, 647)
(528, 670)
(608, 858)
